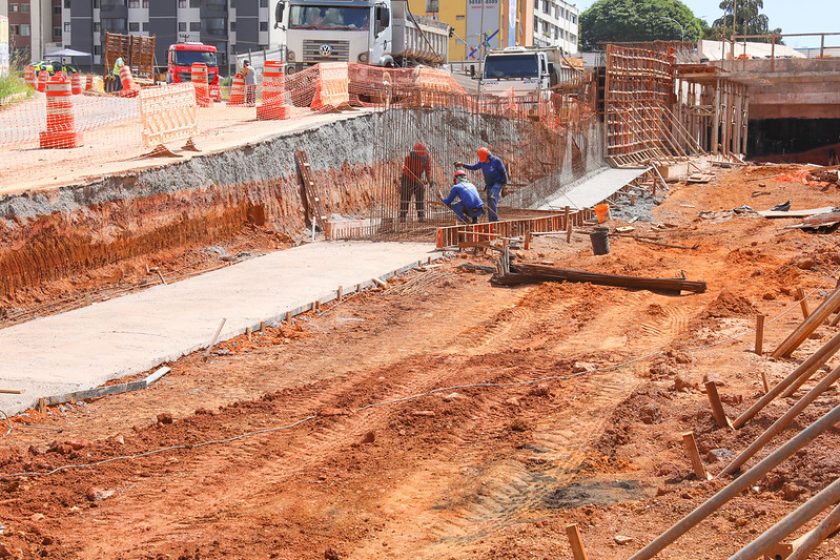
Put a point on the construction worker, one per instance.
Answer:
(417, 166)
(495, 179)
(469, 206)
(250, 77)
(118, 64)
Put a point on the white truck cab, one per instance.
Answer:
(376, 32)
(523, 70)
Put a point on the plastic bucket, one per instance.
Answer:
(602, 212)
(600, 239)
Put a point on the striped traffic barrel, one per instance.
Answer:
(61, 125)
(43, 77)
(89, 82)
(274, 105)
(76, 84)
(29, 75)
(198, 76)
(129, 88)
(237, 91)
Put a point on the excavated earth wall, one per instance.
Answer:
(46, 236)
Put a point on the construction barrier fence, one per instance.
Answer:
(168, 114)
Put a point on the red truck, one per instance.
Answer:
(181, 58)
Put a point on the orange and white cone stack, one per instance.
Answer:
(237, 91)
(274, 107)
(43, 76)
(29, 75)
(129, 88)
(61, 124)
(198, 76)
(76, 84)
(89, 82)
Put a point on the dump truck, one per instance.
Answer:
(526, 71)
(181, 57)
(375, 32)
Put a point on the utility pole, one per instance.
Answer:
(734, 27)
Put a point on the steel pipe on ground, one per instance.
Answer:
(791, 522)
(740, 484)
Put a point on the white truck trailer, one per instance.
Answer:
(376, 32)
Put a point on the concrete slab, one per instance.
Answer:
(593, 188)
(83, 348)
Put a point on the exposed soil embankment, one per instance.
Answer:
(206, 200)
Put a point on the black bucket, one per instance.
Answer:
(600, 240)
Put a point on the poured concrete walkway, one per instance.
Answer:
(83, 348)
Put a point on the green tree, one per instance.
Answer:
(617, 21)
(749, 18)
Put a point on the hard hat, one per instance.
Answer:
(420, 148)
(483, 154)
(460, 173)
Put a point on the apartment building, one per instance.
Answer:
(32, 27)
(479, 25)
(556, 24)
(232, 26)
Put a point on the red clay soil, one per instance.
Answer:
(445, 418)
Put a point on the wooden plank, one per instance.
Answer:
(314, 207)
(717, 407)
(11, 391)
(535, 273)
(694, 455)
(795, 213)
(578, 551)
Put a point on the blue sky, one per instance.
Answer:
(800, 16)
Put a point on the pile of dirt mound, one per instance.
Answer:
(728, 304)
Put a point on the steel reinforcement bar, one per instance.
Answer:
(451, 236)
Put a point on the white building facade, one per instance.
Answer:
(556, 24)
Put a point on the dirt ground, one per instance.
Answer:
(446, 418)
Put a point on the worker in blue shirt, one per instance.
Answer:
(469, 206)
(495, 179)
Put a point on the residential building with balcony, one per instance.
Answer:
(232, 26)
(556, 23)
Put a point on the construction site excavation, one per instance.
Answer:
(357, 311)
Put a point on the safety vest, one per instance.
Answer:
(119, 63)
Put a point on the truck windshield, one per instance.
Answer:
(187, 58)
(328, 17)
(511, 66)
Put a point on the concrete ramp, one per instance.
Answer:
(592, 188)
(82, 349)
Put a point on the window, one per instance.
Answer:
(182, 3)
(182, 26)
(195, 3)
(574, 18)
(57, 32)
(195, 26)
(263, 3)
(145, 26)
(263, 26)
(233, 26)
(13, 8)
(134, 26)
(95, 3)
(432, 6)
(56, 10)
(133, 4)
(328, 18)
(24, 8)
(97, 27)
(145, 3)
(97, 49)
(24, 30)
(66, 3)
(67, 27)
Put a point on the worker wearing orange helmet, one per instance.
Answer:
(469, 206)
(417, 166)
(495, 179)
